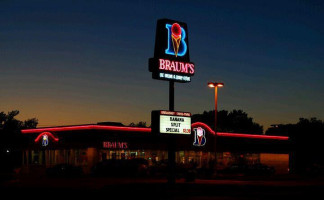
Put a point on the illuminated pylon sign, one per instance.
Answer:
(45, 140)
(171, 61)
(176, 40)
(200, 137)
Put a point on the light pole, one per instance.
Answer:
(215, 85)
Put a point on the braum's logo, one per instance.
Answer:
(45, 140)
(200, 137)
(176, 43)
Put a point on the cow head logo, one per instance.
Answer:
(45, 140)
(200, 137)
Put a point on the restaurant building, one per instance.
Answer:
(87, 145)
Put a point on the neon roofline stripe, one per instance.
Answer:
(148, 130)
(252, 136)
(239, 135)
(86, 127)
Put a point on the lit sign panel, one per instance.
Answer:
(115, 145)
(171, 122)
(174, 77)
(200, 137)
(171, 59)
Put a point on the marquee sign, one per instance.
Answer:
(171, 122)
(171, 59)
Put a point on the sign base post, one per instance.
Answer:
(171, 141)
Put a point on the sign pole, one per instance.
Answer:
(171, 95)
(171, 140)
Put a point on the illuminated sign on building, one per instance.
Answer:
(200, 137)
(45, 140)
(171, 122)
(171, 59)
(114, 145)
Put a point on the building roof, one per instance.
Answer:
(146, 130)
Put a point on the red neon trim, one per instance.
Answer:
(238, 135)
(252, 136)
(205, 126)
(147, 130)
(87, 127)
(49, 135)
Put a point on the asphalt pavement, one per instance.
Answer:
(146, 188)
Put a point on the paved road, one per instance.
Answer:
(106, 188)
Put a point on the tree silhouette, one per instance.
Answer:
(139, 124)
(10, 128)
(234, 121)
(10, 125)
(307, 136)
(11, 138)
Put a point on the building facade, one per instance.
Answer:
(87, 145)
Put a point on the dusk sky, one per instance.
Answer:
(79, 62)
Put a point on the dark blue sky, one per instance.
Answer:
(74, 62)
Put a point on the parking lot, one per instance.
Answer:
(159, 189)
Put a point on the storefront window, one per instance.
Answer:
(133, 155)
(113, 155)
(35, 157)
(104, 156)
